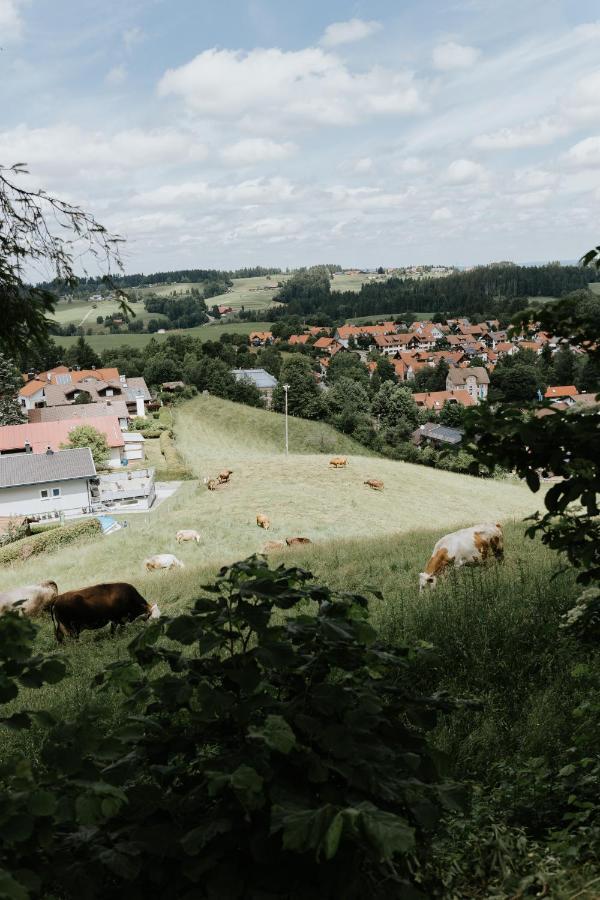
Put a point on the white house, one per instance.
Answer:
(475, 380)
(31, 395)
(37, 437)
(134, 445)
(46, 484)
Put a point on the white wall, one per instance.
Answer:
(114, 457)
(25, 500)
(29, 402)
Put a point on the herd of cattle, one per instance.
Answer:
(117, 603)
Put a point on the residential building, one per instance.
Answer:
(474, 380)
(260, 338)
(42, 436)
(436, 435)
(562, 392)
(133, 446)
(436, 400)
(263, 380)
(83, 411)
(31, 395)
(46, 485)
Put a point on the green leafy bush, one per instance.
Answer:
(285, 756)
(49, 540)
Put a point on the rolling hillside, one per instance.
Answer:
(300, 494)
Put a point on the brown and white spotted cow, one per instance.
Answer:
(469, 546)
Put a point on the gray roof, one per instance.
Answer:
(79, 411)
(38, 468)
(260, 377)
(136, 387)
(442, 433)
(459, 376)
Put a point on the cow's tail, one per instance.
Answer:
(55, 622)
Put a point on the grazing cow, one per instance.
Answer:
(163, 561)
(224, 476)
(374, 483)
(36, 598)
(263, 521)
(338, 462)
(187, 534)
(96, 606)
(297, 540)
(468, 546)
(273, 545)
(211, 483)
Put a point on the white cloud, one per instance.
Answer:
(251, 151)
(254, 192)
(300, 87)
(533, 198)
(535, 179)
(464, 171)
(451, 55)
(442, 214)
(348, 32)
(583, 101)
(69, 149)
(116, 75)
(411, 165)
(365, 164)
(133, 36)
(530, 134)
(365, 197)
(585, 154)
(11, 22)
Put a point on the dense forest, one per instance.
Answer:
(482, 291)
(193, 276)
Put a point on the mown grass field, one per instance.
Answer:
(211, 332)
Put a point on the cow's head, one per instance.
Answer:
(426, 581)
(154, 612)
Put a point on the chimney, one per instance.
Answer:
(139, 407)
(28, 448)
(49, 451)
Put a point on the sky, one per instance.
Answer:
(231, 134)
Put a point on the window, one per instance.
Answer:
(46, 493)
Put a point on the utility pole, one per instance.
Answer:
(286, 388)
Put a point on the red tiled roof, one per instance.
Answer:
(438, 399)
(563, 390)
(32, 387)
(42, 435)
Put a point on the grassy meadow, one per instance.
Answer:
(210, 332)
(493, 629)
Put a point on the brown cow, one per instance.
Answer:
(224, 476)
(466, 547)
(297, 540)
(374, 483)
(273, 545)
(338, 462)
(263, 521)
(211, 483)
(95, 606)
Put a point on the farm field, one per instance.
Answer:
(342, 282)
(210, 332)
(251, 293)
(300, 494)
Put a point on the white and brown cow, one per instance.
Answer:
(30, 599)
(187, 534)
(469, 546)
(163, 561)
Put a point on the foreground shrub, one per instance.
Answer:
(284, 756)
(49, 540)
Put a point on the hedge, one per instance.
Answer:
(175, 469)
(49, 540)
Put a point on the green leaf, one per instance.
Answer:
(248, 786)
(333, 835)
(533, 480)
(88, 809)
(387, 833)
(276, 733)
(199, 837)
(11, 889)
(42, 803)
(184, 629)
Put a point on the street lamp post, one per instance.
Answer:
(286, 388)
